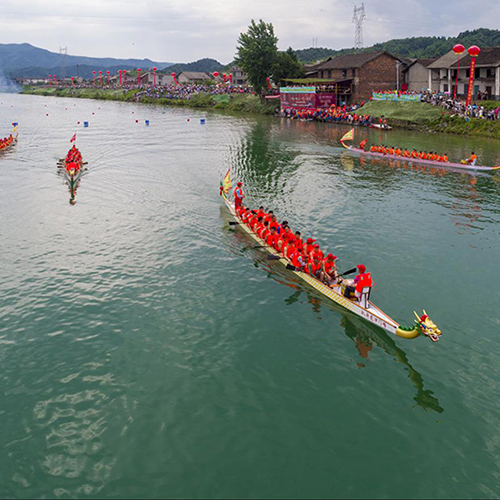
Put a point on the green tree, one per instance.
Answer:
(287, 65)
(256, 53)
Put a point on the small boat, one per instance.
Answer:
(381, 126)
(363, 308)
(460, 166)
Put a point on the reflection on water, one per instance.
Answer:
(365, 337)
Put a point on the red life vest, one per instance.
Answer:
(295, 259)
(365, 280)
(238, 193)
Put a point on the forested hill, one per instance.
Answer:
(16, 56)
(203, 65)
(424, 46)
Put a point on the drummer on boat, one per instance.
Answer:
(472, 160)
(238, 196)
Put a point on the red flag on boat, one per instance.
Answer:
(73, 139)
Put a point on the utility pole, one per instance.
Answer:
(63, 51)
(358, 17)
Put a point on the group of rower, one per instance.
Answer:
(6, 142)
(305, 255)
(414, 154)
(406, 153)
(73, 159)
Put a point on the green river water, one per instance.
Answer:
(146, 350)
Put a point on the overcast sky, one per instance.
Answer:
(187, 30)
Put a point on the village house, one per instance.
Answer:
(362, 73)
(442, 74)
(193, 77)
(416, 75)
(239, 78)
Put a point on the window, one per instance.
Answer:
(344, 73)
(477, 72)
(467, 73)
(489, 73)
(353, 72)
(445, 87)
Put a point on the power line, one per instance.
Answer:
(358, 18)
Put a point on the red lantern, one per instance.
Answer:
(50, 81)
(174, 77)
(215, 73)
(473, 52)
(459, 49)
(94, 72)
(109, 80)
(120, 74)
(231, 78)
(154, 77)
(139, 75)
(100, 75)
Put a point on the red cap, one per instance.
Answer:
(361, 268)
(331, 257)
(310, 241)
(316, 245)
(240, 184)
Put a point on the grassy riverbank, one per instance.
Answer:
(247, 103)
(427, 118)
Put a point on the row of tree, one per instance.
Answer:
(415, 47)
(259, 57)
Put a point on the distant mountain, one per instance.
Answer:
(203, 65)
(420, 47)
(15, 58)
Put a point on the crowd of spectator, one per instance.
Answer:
(458, 106)
(341, 114)
(187, 91)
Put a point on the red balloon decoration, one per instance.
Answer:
(459, 49)
(474, 51)
(215, 73)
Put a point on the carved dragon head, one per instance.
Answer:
(427, 327)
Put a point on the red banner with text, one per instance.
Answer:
(471, 80)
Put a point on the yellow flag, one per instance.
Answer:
(226, 183)
(349, 136)
(14, 129)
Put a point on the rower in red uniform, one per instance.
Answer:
(328, 273)
(238, 196)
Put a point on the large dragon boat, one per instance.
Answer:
(450, 165)
(364, 308)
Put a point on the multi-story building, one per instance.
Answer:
(442, 74)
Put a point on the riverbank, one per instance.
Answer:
(247, 103)
(431, 119)
(407, 115)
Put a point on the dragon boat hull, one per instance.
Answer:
(453, 166)
(372, 314)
